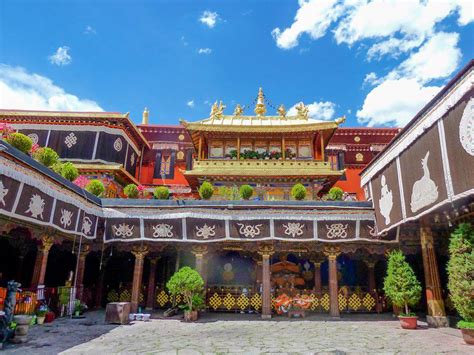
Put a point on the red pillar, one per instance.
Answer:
(150, 299)
(266, 252)
(332, 253)
(140, 253)
(317, 277)
(371, 276)
(436, 312)
(41, 261)
(80, 270)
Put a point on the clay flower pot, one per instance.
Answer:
(468, 336)
(190, 316)
(40, 319)
(408, 322)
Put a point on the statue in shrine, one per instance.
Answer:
(228, 273)
(286, 275)
(68, 282)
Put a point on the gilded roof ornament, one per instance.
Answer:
(260, 108)
(340, 120)
(238, 111)
(302, 110)
(282, 110)
(217, 110)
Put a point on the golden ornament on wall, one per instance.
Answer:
(357, 139)
(359, 157)
(181, 137)
(180, 155)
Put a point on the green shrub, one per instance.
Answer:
(67, 170)
(246, 191)
(335, 193)
(401, 284)
(229, 193)
(206, 190)
(462, 324)
(46, 156)
(188, 283)
(161, 192)
(95, 187)
(20, 142)
(131, 191)
(298, 192)
(461, 271)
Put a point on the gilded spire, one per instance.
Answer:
(260, 108)
(145, 116)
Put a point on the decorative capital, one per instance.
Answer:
(47, 242)
(154, 259)
(199, 250)
(331, 252)
(85, 249)
(139, 251)
(266, 250)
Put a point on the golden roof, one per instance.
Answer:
(301, 122)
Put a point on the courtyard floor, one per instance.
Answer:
(236, 333)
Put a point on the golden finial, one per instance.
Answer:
(220, 109)
(214, 110)
(238, 110)
(145, 116)
(341, 119)
(282, 110)
(302, 110)
(260, 108)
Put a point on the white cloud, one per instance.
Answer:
(22, 90)
(323, 110)
(190, 103)
(395, 102)
(437, 58)
(393, 47)
(205, 51)
(209, 18)
(313, 17)
(370, 78)
(61, 57)
(89, 30)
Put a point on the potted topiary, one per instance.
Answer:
(335, 194)
(206, 190)
(402, 288)
(298, 192)
(246, 191)
(41, 314)
(188, 283)
(95, 187)
(20, 142)
(161, 193)
(131, 191)
(46, 156)
(461, 278)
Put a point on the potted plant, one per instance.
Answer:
(191, 314)
(298, 192)
(79, 308)
(461, 278)
(206, 190)
(188, 283)
(41, 314)
(402, 288)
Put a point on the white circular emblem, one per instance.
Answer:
(118, 145)
(466, 128)
(34, 138)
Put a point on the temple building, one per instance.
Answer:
(249, 252)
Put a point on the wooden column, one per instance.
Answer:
(317, 277)
(80, 270)
(199, 251)
(200, 148)
(150, 298)
(332, 253)
(322, 146)
(434, 298)
(238, 148)
(371, 276)
(266, 252)
(139, 251)
(283, 148)
(41, 261)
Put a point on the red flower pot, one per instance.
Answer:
(468, 336)
(408, 322)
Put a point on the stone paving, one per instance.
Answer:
(229, 333)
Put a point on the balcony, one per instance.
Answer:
(262, 168)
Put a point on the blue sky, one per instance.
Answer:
(377, 63)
